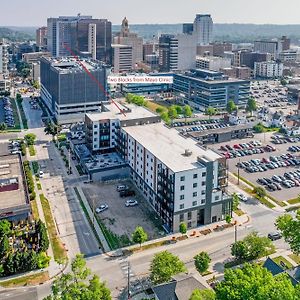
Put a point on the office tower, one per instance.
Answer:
(41, 37)
(94, 36)
(125, 37)
(203, 29)
(122, 58)
(187, 28)
(272, 47)
(68, 90)
(177, 52)
(3, 58)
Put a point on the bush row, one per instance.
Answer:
(29, 180)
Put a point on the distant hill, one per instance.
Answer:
(20, 34)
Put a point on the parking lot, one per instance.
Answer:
(120, 219)
(285, 193)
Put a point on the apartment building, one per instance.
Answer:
(180, 180)
(3, 58)
(269, 69)
(212, 63)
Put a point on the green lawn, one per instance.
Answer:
(239, 212)
(279, 259)
(34, 279)
(295, 258)
(294, 201)
(59, 251)
(34, 209)
(22, 113)
(32, 151)
(153, 106)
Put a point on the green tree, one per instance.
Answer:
(182, 228)
(178, 109)
(36, 84)
(203, 295)
(5, 228)
(159, 110)
(290, 229)
(3, 126)
(260, 191)
(202, 261)
(30, 138)
(228, 219)
(239, 250)
(210, 111)
(43, 236)
(187, 111)
(43, 260)
(164, 265)
(231, 107)
(235, 201)
(4, 246)
(77, 284)
(165, 117)
(139, 235)
(258, 128)
(52, 129)
(283, 82)
(254, 282)
(172, 112)
(251, 106)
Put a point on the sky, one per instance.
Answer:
(35, 12)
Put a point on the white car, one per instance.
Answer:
(131, 203)
(15, 152)
(242, 197)
(41, 174)
(122, 187)
(101, 208)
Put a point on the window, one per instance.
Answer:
(202, 201)
(203, 183)
(195, 176)
(95, 139)
(95, 126)
(181, 197)
(182, 178)
(194, 203)
(217, 198)
(214, 219)
(195, 185)
(181, 206)
(203, 174)
(190, 215)
(189, 224)
(195, 194)
(181, 217)
(203, 193)
(182, 188)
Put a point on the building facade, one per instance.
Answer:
(69, 90)
(202, 88)
(268, 69)
(41, 37)
(3, 59)
(203, 29)
(212, 63)
(122, 58)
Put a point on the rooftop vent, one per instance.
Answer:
(187, 152)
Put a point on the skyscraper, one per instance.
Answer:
(203, 29)
(125, 37)
(41, 37)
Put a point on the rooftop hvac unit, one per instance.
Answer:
(187, 152)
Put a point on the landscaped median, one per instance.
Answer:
(59, 251)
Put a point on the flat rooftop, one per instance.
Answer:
(131, 112)
(10, 168)
(71, 64)
(104, 161)
(169, 147)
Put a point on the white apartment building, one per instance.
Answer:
(3, 59)
(203, 29)
(268, 69)
(122, 58)
(212, 63)
(180, 180)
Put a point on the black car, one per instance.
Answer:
(127, 193)
(273, 236)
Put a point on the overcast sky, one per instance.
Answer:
(35, 12)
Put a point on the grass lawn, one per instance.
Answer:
(32, 151)
(34, 209)
(59, 251)
(239, 212)
(22, 113)
(34, 279)
(296, 207)
(294, 201)
(153, 106)
(295, 258)
(15, 112)
(279, 259)
(39, 186)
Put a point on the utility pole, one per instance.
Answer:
(69, 160)
(235, 233)
(238, 171)
(93, 213)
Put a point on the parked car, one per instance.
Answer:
(242, 197)
(122, 187)
(273, 236)
(127, 193)
(101, 208)
(131, 203)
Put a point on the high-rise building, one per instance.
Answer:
(94, 36)
(272, 47)
(122, 58)
(286, 43)
(177, 52)
(80, 35)
(68, 90)
(41, 37)
(3, 58)
(125, 37)
(203, 29)
(187, 28)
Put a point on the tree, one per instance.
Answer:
(30, 138)
(182, 228)
(258, 128)
(178, 109)
(52, 129)
(210, 111)
(187, 112)
(164, 265)
(260, 191)
(228, 219)
(251, 106)
(252, 247)
(159, 110)
(43, 260)
(202, 261)
(203, 295)
(235, 201)
(4, 246)
(165, 117)
(172, 112)
(283, 82)
(43, 236)
(139, 235)
(36, 84)
(231, 107)
(3, 126)
(5, 228)
(290, 229)
(78, 285)
(254, 282)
